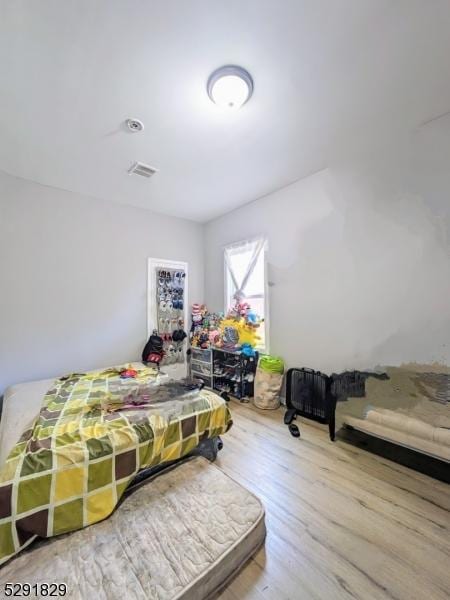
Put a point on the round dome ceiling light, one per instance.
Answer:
(230, 86)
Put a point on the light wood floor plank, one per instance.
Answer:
(341, 522)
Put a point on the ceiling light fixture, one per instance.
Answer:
(230, 86)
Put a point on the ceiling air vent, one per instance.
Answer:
(140, 169)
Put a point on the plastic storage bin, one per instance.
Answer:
(201, 355)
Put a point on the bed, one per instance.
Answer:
(410, 408)
(78, 442)
(28, 398)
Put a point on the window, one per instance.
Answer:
(245, 277)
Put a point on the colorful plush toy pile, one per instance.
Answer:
(237, 330)
(244, 322)
(205, 327)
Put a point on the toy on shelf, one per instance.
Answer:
(214, 337)
(237, 329)
(199, 335)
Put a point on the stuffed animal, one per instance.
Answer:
(246, 333)
(243, 309)
(204, 340)
(252, 317)
(214, 336)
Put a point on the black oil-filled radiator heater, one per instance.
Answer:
(309, 394)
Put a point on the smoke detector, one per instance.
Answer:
(139, 168)
(134, 125)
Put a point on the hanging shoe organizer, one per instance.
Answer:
(170, 296)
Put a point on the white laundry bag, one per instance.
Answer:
(268, 382)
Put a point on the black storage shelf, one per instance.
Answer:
(225, 371)
(234, 373)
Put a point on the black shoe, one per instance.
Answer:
(294, 430)
(289, 416)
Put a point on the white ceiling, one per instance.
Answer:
(329, 75)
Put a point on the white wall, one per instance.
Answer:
(73, 278)
(359, 258)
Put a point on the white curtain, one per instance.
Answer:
(240, 280)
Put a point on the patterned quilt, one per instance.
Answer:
(72, 467)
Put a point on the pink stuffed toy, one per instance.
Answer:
(214, 336)
(243, 308)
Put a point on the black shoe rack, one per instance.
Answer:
(226, 371)
(234, 373)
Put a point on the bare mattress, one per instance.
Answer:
(411, 408)
(182, 534)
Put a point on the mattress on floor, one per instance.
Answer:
(411, 408)
(182, 534)
(404, 437)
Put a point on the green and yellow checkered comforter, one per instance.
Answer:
(71, 468)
